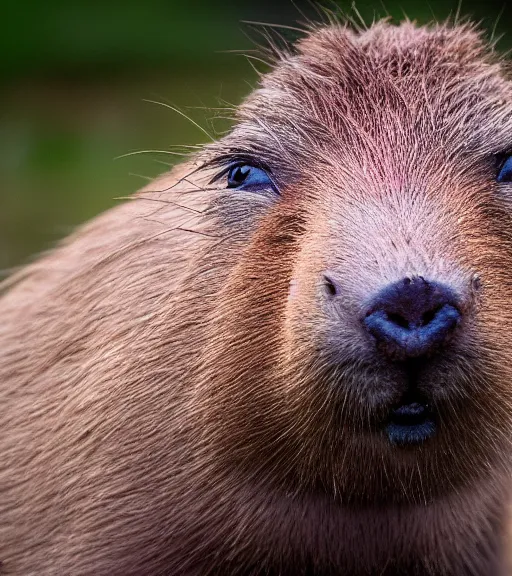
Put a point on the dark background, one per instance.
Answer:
(74, 76)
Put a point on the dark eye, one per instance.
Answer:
(251, 178)
(505, 170)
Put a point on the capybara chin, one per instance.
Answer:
(291, 355)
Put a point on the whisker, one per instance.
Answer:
(178, 111)
(148, 178)
(211, 108)
(136, 152)
(197, 232)
(238, 51)
(161, 201)
(191, 146)
(250, 57)
(270, 25)
(495, 27)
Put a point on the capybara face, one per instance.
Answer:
(290, 355)
(363, 337)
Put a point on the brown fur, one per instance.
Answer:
(168, 407)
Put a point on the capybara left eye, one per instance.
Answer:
(505, 170)
(247, 177)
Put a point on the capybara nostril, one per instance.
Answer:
(412, 317)
(330, 285)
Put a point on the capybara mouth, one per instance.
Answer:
(410, 422)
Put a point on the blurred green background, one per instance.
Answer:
(74, 76)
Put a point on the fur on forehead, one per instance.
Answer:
(338, 81)
(385, 44)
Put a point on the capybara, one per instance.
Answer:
(291, 355)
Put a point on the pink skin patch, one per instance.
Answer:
(294, 289)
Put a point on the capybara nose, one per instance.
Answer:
(412, 317)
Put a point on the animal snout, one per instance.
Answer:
(413, 317)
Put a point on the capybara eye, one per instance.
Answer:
(247, 177)
(505, 170)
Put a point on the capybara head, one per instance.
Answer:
(360, 342)
(291, 355)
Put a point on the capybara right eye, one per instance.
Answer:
(505, 170)
(251, 178)
(237, 175)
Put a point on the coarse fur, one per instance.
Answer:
(169, 406)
